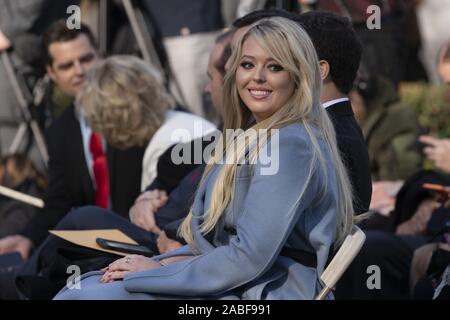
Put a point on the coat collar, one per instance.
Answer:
(343, 108)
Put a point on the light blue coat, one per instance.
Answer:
(267, 214)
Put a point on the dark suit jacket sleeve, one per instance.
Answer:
(352, 147)
(169, 173)
(171, 229)
(359, 174)
(57, 197)
(170, 217)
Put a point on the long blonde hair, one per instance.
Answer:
(290, 46)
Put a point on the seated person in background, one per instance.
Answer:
(390, 128)
(431, 262)
(69, 54)
(339, 50)
(245, 223)
(124, 100)
(415, 222)
(384, 193)
(18, 173)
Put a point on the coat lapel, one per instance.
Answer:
(340, 109)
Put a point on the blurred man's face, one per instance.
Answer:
(237, 34)
(234, 39)
(71, 61)
(214, 86)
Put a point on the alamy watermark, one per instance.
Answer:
(268, 157)
(374, 20)
(374, 280)
(74, 280)
(74, 20)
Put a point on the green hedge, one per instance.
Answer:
(432, 104)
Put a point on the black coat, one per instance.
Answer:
(350, 141)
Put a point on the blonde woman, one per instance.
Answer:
(124, 100)
(254, 234)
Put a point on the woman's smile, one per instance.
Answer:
(263, 84)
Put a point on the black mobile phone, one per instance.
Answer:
(124, 247)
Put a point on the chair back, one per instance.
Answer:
(341, 260)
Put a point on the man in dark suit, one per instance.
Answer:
(70, 54)
(21, 21)
(339, 50)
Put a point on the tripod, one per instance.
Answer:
(28, 124)
(146, 45)
(142, 28)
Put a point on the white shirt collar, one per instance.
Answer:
(331, 102)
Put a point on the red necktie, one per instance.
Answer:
(100, 168)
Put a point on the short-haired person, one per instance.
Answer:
(69, 54)
(245, 222)
(339, 50)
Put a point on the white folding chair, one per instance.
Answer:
(341, 260)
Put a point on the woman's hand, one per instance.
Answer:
(131, 263)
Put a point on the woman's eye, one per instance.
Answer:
(275, 68)
(246, 65)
